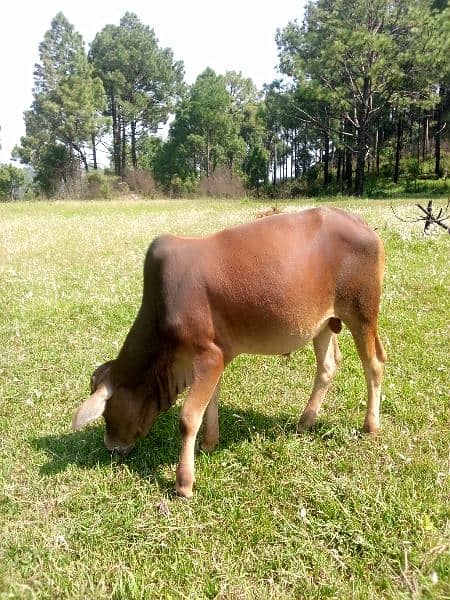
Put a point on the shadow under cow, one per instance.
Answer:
(85, 448)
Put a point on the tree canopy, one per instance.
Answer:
(363, 89)
(361, 59)
(142, 82)
(67, 99)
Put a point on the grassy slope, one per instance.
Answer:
(328, 514)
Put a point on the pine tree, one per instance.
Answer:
(67, 99)
(142, 81)
(362, 58)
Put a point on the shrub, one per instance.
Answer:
(312, 174)
(98, 185)
(121, 187)
(182, 188)
(222, 183)
(11, 180)
(141, 182)
(57, 174)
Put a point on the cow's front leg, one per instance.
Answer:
(208, 367)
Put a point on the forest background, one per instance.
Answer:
(361, 107)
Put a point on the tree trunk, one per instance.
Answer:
(411, 133)
(123, 157)
(81, 155)
(326, 155)
(94, 151)
(292, 153)
(275, 160)
(360, 160)
(116, 135)
(285, 165)
(361, 147)
(208, 158)
(418, 140)
(379, 145)
(339, 165)
(398, 148)
(348, 157)
(84, 161)
(376, 151)
(426, 139)
(437, 137)
(133, 144)
(348, 168)
(340, 158)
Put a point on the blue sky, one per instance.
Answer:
(233, 35)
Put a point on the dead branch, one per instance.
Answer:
(429, 218)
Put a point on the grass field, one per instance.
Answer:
(326, 514)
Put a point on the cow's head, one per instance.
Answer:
(129, 413)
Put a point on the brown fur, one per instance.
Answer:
(268, 287)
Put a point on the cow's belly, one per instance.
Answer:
(281, 339)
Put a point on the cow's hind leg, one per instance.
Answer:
(211, 423)
(328, 358)
(373, 358)
(208, 367)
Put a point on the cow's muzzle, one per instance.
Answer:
(112, 446)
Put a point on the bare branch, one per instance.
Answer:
(431, 219)
(405, 220)
(319, 124)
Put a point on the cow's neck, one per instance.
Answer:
(140, 350)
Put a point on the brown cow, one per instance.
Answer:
(267, 287)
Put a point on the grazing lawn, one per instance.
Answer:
(326, 514)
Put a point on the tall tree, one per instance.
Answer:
(443, 15)
(363, 57)
(67, 99)
(210, 119)
(143, 83)
(274, 112)
(203, 134)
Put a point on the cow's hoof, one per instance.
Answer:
(371, 426)
(307, 420)
(184, 482)
(207, 446)
(184, 492)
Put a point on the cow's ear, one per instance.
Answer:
(92, 408)
(99, 374)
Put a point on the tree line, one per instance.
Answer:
(363, 94)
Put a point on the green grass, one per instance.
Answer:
(327, 514)
(408, 187)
